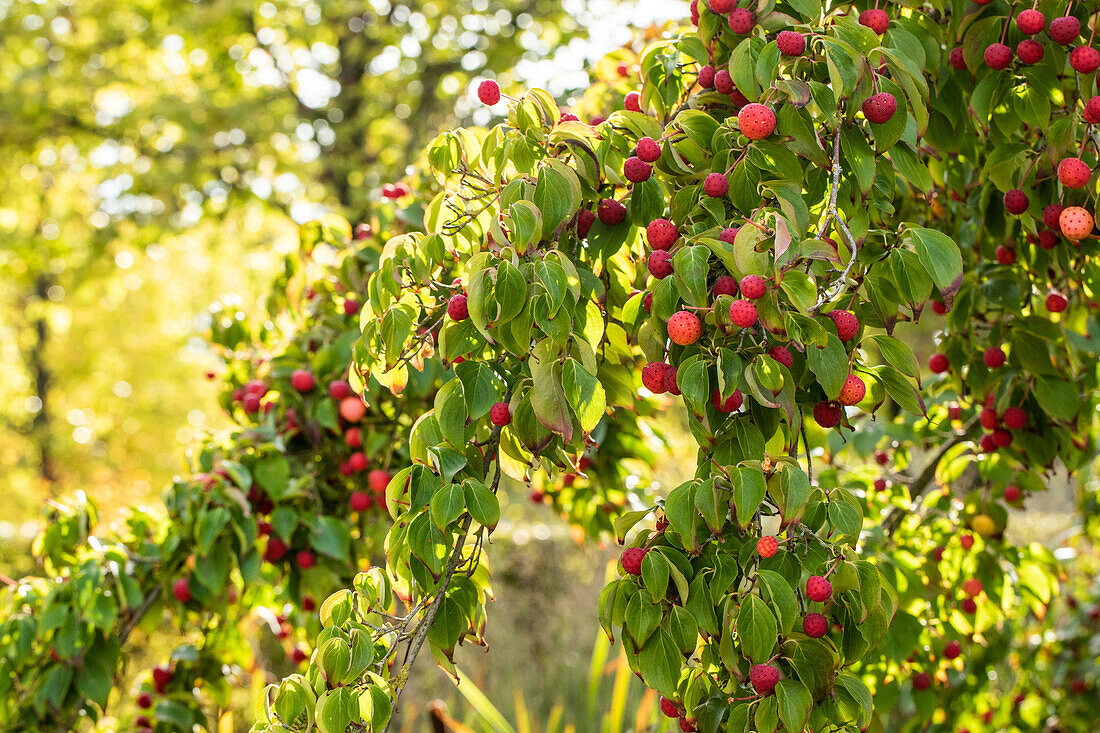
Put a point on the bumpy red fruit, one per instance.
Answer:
(585, 220)
(647, 149)
(1002, 438)
(662, 234)
(743, 313)
(1092, 112)
(730, 404)
(815, 625)
(722, 6)
(993, 357)
(653, 376)
(756, 121)
(723, 82)
(716, 185)
(753, 287)
(1056, 302)
(847, 325)
(970, 606)
(1005, 255)
(879, 108)
(828, 414)
(938, 363)
(853, 391)
(669, 708)
(1030, 21)
(988, 418)
(818, 589)
(1015, 201)
(998, 56)
(633, 102)
(611, 212)
(659, 264)
(359, 501)
(684, 328)
(488, 92)
(637, 170)
(724, 285)
(688, 725)
(706, 77)
(1053, 211)
(1073, 172)
(1012, 493)
(880, 484)
(729, 235)
(767, 546)
(957, 58)
(791, 43)
(875, 19)
(631, 560)
(1064, 30)
(181, 590)
(764, 678)
(921, 681)
(781, 354)
(457, 309)
(302, 380)
(1075, 223)
(1015, 418)
(1030, 51)
(741, 21)
(952, 649)
(670, 383)
(378, 480)
(500, 414)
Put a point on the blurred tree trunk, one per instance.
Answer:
(38, 367)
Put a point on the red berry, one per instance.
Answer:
(637, 170)
(662, 234)
(585, 220)
(631, 560)
(357, 462)
(716, 185)
(1005, 255)
(659, 264)
(939, 307)
(302, 380)
(753, 287)
(684, 328)
(993, 357)
(972, 587)
(952, 649)
(781, 354)
(1053, 211)
(1092, 115)
(998, 56)
(967, 541)
(1030, 22)
(1012, 493)
(1002, 438)
(957, 58)
(1015, 418)
(181, 590)
(687, 725)
(1075, 223)
(791, 43)
(721, 6)
(339, 389)
(756, 121)
(1056, 302)
(815, 625)
(743, 313)
(828, 414)
(847, 325)
(875, 19)
(305, 559)
(1030, 51)
(1016, 201)
(880, 484)
(1073, 172)
(611, 212)
(647, 301)
(764, 678)
(818, 589)
(144, 700)
(741, 21)
(378, 481)
(938, 363)
(1048, 239)
(653, 376)
(670, 384)
(988, 418)
(881, 458)
(724, 285)
(767, 546)
(706, 77)
(633, 102)
(723, 82)
(669, 708)
(647, 149)
(500, 414)
(729, 235)
(488, 92)
(731, 403)
(921, 681)
(853, 391)
(970, 606)
(1064, 30)
(360, 501)
(161, 677)
(879, 108)
(457, 309)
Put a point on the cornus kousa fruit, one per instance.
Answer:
(1005, 255)
(706, 77)
(662, 234)
(181, 590)
(500, 414)
(1015, 201)
(791, 43)
(952, 649)
(360, 501)
(1015, 418)
(753, 287)
(302, 381)
(722, 6)
(729, 235)
(818, 589)
(1075, 223)
(957, 59)
(1051, 214)
(1030, 21)
(611, 212)
(730, 404)
(723, 82)
(1012, 493)
(847, 325)
(875, 19)
(756, 121)
(743, 313)
(767, 546)
(488, 92)
(633, 102)
(585, 220)
(688, 725)
(724, 285)
(879, 108)
(1064, 30)
(1073, 172)
(921, 681)
(457, 309)
(670, 383)
(716, 185)
(637, 170)
(647, 149)
(1056, 302)
(764, 678)
(653, 376)
(938, 363)
(993, 357)
(828, 414)
(740, 21)
(815, 625)
(998, 56)
(853, 391)
(659, 264)
(684, 328)
(632, 560)
(781, 354)
(1030, 51)
(1092, 114)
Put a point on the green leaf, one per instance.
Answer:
(330, 536)
(557, 194)
(481, 503)
(272, 472)
(795, 703)
(782, 598)
(939, 254)
(897, 353)
(1060, 399)
(584, 393)
(860, 694)
(748, 491)
(659, 662)
(757, 629)
(447, 505)
(655, 574)
(900, 389)
(547, 397)
(829, 365)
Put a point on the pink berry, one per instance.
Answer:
(488, 92)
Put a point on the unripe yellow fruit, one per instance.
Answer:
(983, 525)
